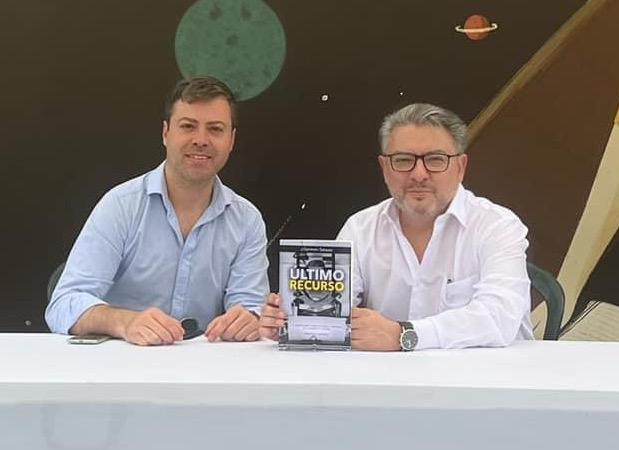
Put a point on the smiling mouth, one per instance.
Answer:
(199, 157)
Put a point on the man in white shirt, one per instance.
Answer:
(435, 266)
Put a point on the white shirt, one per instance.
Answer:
(471, 287)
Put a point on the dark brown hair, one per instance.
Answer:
(199, 89)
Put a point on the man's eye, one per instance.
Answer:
(434, 158)
(186, 126)
(217, 129)
(402, 159)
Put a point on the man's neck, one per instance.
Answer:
(189, 200)
(418, 231)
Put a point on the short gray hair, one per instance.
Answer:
(424, 114)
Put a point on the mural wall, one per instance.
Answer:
(84, 82)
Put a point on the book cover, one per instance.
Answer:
(316, 294)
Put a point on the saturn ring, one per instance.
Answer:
(492, 27)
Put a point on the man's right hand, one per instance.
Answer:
(152, 327)
(271, 318)
(149, 327)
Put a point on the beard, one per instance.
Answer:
(420, 201)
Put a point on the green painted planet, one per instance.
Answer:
(241, 42)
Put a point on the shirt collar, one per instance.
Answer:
(155, 181)
(456, 208)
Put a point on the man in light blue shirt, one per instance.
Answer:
(172, 243)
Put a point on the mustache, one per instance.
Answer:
(419, 187)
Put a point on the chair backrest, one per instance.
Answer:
(552, 292)
(53, 280)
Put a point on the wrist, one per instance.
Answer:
(408, 337)
(121, 321)
(395, 335)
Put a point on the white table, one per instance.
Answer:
(195, 394)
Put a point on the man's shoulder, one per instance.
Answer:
(130, 187)
(128, 193)
(369, 216)
(372, 211)
(483, 212)
(240, 203)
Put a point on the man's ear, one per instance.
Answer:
(233, 140)
(462, 162)
(381, 161)
(164, 133)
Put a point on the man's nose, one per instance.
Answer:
(419, 171)
(201, 138)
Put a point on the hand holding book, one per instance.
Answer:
(271, 318)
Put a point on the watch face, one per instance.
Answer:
(408, 340)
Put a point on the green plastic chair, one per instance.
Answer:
(53, 280)
(552, 292)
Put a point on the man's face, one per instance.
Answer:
(419, 193)
(198, 140)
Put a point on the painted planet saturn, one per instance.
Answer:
(477, 27)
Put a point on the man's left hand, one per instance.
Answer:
(236, 324)
(373, 332)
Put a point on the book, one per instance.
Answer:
(599, 321)
(315, 288)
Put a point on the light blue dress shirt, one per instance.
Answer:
(131, 254)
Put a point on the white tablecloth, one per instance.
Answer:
(236, 395)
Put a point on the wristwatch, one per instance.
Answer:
(408, 337)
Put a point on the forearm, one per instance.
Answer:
(482, 323)
(494, 316)
(104, 319)
(248, 283)
(90, 269)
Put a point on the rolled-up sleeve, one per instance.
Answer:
(90, 268)
(248, 283)
(500, 300)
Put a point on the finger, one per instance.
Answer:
(235, 311)
(140, 330)
(358, 334)
(237, 325)
(165, 336)
(222, 323)
(273, 300)
(136, 338)
(269, 333)
(214, 329)
(271, 322)
(148, 336)
(359, 312)
(230, 318)
(165, 327)
(276, 302)
(358, 323)
(270, 311)
(211, 324)
(357, 345)
(242, 334)
(172, 326)
(253, 336)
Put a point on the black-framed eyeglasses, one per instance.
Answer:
(433, 162)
